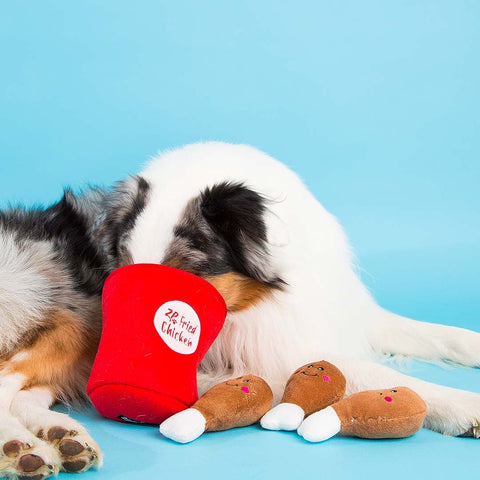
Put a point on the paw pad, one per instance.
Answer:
(29, 463)
(56, 433)
(74, 465)
(70, 447)
(13, 448)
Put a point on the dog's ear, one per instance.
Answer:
(237, 213)
(123, 205)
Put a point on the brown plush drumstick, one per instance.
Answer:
(236, 403)
(393, 413)
(311, 388)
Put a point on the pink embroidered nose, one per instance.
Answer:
(326, 378)
(245, 389)
(388, 399)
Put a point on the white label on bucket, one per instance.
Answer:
(178, 325)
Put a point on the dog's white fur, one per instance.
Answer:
(325, 312)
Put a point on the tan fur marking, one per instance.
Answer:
(60, 357)
(125, 259)
(238, 291)
(176, 262)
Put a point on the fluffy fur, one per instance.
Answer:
(247, 224)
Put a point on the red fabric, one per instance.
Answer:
(136, 376)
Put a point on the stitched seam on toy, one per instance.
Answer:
(139, 388)
(386, 418)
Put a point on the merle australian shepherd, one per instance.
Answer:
(246, 223)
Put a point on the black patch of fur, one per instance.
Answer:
(67, 225)
(224, 230)
(232, 208)
(235, 214)
(124, 204)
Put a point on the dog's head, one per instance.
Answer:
(219, 234)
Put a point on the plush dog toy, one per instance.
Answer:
(235, 403)
(395, 413)
(311, 388)
(316, 391)
(158, 323)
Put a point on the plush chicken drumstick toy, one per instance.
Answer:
(311, 388)
(235, 403)
(393, 413)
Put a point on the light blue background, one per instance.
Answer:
(375, 104)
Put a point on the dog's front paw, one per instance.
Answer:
(474, 431)
(78, 452)
(455, 413)
(28, 459)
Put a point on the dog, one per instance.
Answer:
(247, 224)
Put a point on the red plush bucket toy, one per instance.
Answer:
(158, 323)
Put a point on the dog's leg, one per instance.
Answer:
(450, 411)
(397, 335)
(55, 365)
(21, 453)
(77, 450)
